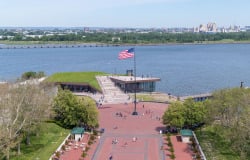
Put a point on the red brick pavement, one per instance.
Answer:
(145, 127)
(181, 150)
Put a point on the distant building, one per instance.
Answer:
(86, 29)
(34, 36)
(203, 28)
(196, 30)
(211, 27)
(247, 28)
(116, 39)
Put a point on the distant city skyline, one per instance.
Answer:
(123, 14)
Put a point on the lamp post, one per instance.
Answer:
(241, 84)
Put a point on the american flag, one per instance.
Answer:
(126, 54)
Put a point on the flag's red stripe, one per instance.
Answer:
(125, 54)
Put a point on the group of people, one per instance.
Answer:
(100, 101)
(115, 141)
(119, 114)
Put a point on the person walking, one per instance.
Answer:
(111, 157)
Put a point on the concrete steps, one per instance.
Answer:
(111, 93)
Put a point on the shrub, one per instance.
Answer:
(31, 75)
(92, 137)
(192, 139)
(58, 154)
(172, 156)
(66, 142)
(95, 133)
(87, 148)
(195, 150)
(84, 154)
(170, 144)
(198, 156)
(171, 149)
(168, 138)
(63, 147)
(90, 142)
(193, 144)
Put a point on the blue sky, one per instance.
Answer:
(123, 13)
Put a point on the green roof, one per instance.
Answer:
(186, 132)
(77, 77)
(77, 130)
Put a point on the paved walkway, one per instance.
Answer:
(74, 149)
(120, 125)
(144, 148)
(135, 137)
(182, 150)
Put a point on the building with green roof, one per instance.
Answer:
(185, 135)
(77, 133)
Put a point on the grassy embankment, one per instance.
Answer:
(43, 145)
(224, 41)
(214, 145)
(154, 97)
(77, 77)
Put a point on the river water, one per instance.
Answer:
(183, 69)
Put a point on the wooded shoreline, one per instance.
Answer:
(27, 45)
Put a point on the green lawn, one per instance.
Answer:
(153, 97)
(215, 146)
(144, 97)
(82, 77)
(44, 145)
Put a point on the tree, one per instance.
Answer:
(92, 113)
(229, 111)
(72, 111)
(21, 107)
(32, 75)
(188, 113)
(38, 106)
(194, 112)
(174, 115)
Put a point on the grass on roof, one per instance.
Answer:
(77, 77)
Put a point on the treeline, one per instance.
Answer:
(227, 113)
(32, 75)
(137, 38)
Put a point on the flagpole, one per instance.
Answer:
(135, 86)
